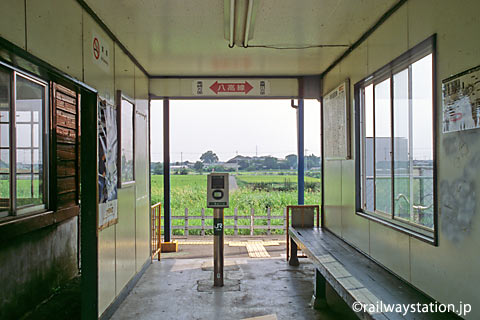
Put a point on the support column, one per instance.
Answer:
(300, 174)
(89, 210)
(301, 152)
(218, 247)
(166, 171)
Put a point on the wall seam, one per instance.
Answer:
(83, 46)
(410, 259)
(135, 213)
(25, 17)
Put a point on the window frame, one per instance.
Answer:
(404, 61)
(119, 98)
(14, 210)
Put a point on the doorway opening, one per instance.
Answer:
(255, 141)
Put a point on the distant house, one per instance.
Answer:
(238, 158)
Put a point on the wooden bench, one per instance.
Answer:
(356, 278)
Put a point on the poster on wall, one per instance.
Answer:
(336, 113)
(107, 165)
(461, 101)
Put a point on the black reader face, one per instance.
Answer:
(217, 190)
(218, 182)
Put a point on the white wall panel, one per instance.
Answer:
(142, 170)
(333, 196)
(391, 249)
(125, 237)
(124, 73)
(12, 21)
(54, 33)
(354, 228)
(100, 78)
(106, 268)
(389, 41)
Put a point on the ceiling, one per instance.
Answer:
(187, 38)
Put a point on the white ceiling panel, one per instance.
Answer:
(186, 37)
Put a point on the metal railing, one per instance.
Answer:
(156, 232)
(236, 226)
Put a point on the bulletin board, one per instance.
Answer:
(336, 122)
(461, 101)
(107, 165)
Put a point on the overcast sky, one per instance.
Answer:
(231, 127)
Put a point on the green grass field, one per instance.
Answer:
(272, 178)
(189, 191)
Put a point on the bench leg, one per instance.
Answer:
(293, 254)
(319, 298)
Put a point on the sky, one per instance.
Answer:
(231, 127)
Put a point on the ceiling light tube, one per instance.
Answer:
(232, 23)
(247, 23)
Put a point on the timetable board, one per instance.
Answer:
(336, 115)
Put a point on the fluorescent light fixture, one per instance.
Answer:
(238, 21)
(232, 24)
(248, 23)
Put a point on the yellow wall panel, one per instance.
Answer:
(54, 34)
(12, 21)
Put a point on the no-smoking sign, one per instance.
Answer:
(96, 48)
(100, 52)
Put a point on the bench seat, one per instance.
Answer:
(355, 277)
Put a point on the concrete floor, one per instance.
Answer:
(182, 288)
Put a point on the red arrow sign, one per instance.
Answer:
(231, 87)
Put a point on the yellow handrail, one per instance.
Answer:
(156, 240)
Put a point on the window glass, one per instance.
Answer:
(422, 138)
(127, 141)
(383, 147)
(369, 194)
(397, 142)
(5, 89)
(401, 145)
(30, 98)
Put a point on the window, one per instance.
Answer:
(126, 128)
(22, 142)
(395, 141)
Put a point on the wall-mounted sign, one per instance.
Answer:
(336, 113)
(101, 53)
(230, 87)
(461, 101)
(107, 165)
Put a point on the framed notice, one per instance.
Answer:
(107, 165)
(461, 101)
(336, 114)
(126, 139)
